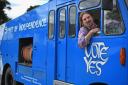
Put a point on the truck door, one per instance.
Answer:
(61, 44)
(71, 43)
(66, 42)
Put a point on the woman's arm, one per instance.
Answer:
(81, 38)
(90, 34)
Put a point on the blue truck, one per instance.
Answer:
(41, 46)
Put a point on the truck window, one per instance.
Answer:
(85, 4)
(51, 24)
(113, 24)
(126, 2)
(25, 51)
(72, 21)
(62, 23)
(96, 13)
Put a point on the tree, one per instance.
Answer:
(4, 5)
(32, 7)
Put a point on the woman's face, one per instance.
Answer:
(87, 20)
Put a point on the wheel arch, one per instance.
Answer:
(6, 66)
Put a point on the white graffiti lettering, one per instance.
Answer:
(96, 56)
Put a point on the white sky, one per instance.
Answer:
(19, 7)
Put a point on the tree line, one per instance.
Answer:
(4, 4)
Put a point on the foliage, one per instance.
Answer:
(4, 5)
(32, 7)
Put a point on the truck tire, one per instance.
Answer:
(9, 77)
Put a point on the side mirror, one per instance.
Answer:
(107, 4)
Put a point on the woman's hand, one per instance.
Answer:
(95, 30)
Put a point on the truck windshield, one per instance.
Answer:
(88, 4)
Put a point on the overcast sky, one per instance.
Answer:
(19, 7)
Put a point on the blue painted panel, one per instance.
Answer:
(61, 59)
(51, 62)
(24, 70)
(61, 1)
(71, 59)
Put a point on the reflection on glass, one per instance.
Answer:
(62, 23)
(51, 25)
(113, 23)
(72, 24)
(89, 3)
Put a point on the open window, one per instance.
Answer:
(25, 51)
(95, 13)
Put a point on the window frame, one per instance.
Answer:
(69, 21)
(64, 23)
(53, 25)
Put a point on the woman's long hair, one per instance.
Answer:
(81, 15)
(80, 19)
